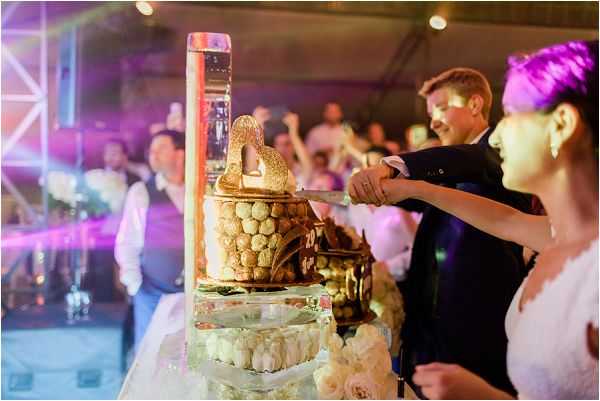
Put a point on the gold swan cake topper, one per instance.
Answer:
(273, 181)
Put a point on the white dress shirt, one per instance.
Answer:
(397, 163)
(323, 137)
(130, 238)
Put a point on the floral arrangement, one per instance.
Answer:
(387, 303)
(109, 186)
(359, 369)
(62, 188)
(102, 192)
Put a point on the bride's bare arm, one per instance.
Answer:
(493, 217)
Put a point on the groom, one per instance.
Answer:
(461, 280)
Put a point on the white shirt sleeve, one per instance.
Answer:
(130, 238)
(397, 163)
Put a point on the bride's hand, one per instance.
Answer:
(445, 381)
(396, 190)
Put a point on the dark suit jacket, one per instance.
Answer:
(461, 280)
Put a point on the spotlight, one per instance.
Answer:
(438, 23)
(144, 7)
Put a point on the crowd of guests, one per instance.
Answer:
(451, 216)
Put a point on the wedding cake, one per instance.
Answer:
(260, 316)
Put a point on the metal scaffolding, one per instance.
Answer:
(37, 98)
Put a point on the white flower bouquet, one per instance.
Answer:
(387, 303)
(62, 189)
(101, 192)
(109, 187)
(359, 369)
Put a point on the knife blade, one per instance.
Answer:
(334, 197)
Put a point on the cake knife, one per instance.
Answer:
(335, 197)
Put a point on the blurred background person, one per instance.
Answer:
(150, 241)
(327, 135)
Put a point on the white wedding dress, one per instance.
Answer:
(548, 356)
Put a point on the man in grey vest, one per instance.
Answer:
(149, 246)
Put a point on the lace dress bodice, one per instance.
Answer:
(548, 355)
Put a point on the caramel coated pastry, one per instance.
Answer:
(250, 226)
(348, 312)
(249, 258)
(339, 299)
(291, 209)
(228, 243)
(265, 258)
(322, 261)
(243, 241)
(243, 210)
(233, 226)
(277, 210)
(261, 274)
(220, 226)
(332, 287)
(259, 242)
(284, 226)
(267, 227)
(260, 211)
(301, 209)
(233, 260)
(228, 274)
(243, 275)
(275, 240)
(326, 273)
(228, 210)
(338, 313)
(335, 262)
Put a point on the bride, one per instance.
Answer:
(548, 141)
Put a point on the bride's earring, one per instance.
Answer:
(554, 150)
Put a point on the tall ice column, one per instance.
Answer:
(208, 120)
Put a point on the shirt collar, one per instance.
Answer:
(478, 137)
(162, 183)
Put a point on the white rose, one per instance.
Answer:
(330, 380)
(389, 389)
(378, 363)
(335, 344)
(360, 386)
